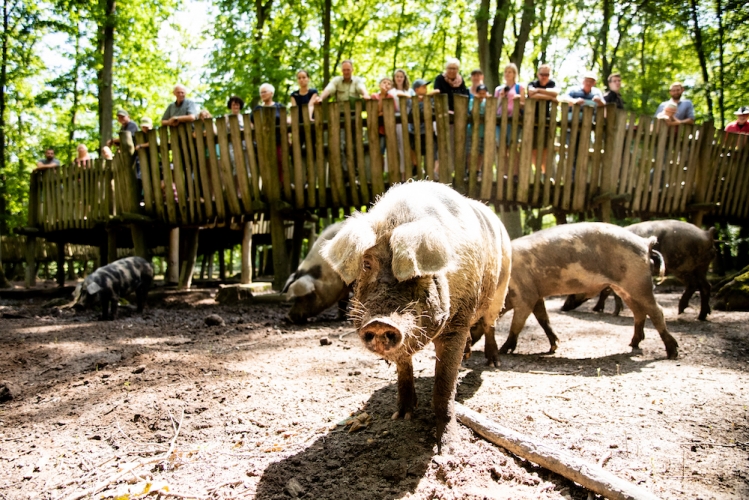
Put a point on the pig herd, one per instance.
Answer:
(426, 264)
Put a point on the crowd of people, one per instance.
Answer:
(675, 111)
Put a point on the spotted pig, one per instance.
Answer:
(108, 283)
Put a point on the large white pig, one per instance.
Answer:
(315, 286)
(428, 264)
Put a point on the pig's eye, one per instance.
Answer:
(366, 265)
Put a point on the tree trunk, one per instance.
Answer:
(106, 49)
(604, 40)
(76, 96)
(3, 83)
(491, 40)
(698, 45)
(721, 73)
(327, 8)
(398, 38)
(526, 23)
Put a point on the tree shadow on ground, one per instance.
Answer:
(385, 460)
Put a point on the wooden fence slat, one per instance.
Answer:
(713, 164)
(460, 107)
(742, 201)
(363, 186)
(504, 170)
(69, 198)
(631, 148)
(570, 160)
(583, 157)
(477, 121)
(250, 137)
(672, 149)
(284, 130)
(406, 160)
(321, 178)
(216, 191)
(296, 147)
(551, 163)
(155, 172)
(166, 168)
(240, 178)
(730, 177)
(145, 173)
(309, 158)
(429, 137)
(640, 198)
(205, 177)
(598, 146)
(526, 149)
(418, 119)
(186, 163)
(680, 188)
(375, 157)
(513, 176)
(350, 161)
(723, 163)
(231, 184)
(179, 177)
(487, 169)
(338, 192)
(738, 188)
(539, 146)
(391, 141)
(442, 116)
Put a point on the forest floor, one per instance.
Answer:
(255, 408)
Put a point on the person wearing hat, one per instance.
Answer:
(741, 125)
(146, 124)
(126, 125)
(684, 108)
(586, 93)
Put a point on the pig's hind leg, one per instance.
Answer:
(641, 310)
(449, 351)
(406, 390)
(519, 318)
(539, 311)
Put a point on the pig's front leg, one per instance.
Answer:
(406, 390)
(449, 351)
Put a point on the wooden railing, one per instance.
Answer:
(571, 159)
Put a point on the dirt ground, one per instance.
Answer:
(254, 408)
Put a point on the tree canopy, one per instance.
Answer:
(68, 65)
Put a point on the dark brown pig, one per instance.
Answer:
(582, 258)
(315, 286)
(687, 252)
(428, 263)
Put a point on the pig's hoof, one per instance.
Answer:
(406, 416)
(702, 317)
(672, 352)
(466, 356)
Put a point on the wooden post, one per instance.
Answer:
(172, 265)
(222, 265)
(296, 245)
(210, 257)
(139, 241)
(203, 262)
(60, 264)
(30, 261)
(188, 266)
(246, 252)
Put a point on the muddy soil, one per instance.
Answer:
(256, 408)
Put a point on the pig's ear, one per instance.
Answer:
(301, 287)
(419, 249)
(93, 288)
(344, 252)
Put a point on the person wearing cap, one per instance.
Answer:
(450, 82)
(614, 96)
(126, 125)
(146, 124)
(477, 78)
(741, 124)
(182, 110)
(345, 86)
(684, 108)
(586, 93)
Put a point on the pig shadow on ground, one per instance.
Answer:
(388, 459)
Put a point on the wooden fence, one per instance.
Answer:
(570, 159)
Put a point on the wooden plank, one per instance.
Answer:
(145, 174)
(504, 175)
(58, 196)
(598, 146)
(429, 137)
(155, 174)
(363, 186)
(513, 176)
(712, 162)
(583, 158)
(672, 148)
(473, 158)
(166, 169)
(375, 157)
(309, 159)
(240, 177)
(197, 180)
(296, 148)
(178, 173)
(540, 136)
(660, 152)
(629, 155)
(231, 185)
(690, 190)
(205, 177)
(441, 110)
(682, 163)
(563, 155)
(730, 175)
(551, 163)
(350, 162)
(69, 199)
(417, 121)
(284, 130)
(250, 136)
(272, 182)
(739, 187)
(742, 205)
(570, 156)
(184, 131)
(338, 192)
(406, 150)
(722, 167)
(391, 141)
(640, 174)
(487, 169)
(460, 107)
(526, 149)
(322, 196)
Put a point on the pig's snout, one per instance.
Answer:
(381, 335)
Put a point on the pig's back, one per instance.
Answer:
(123, 276)
(684, 246)
(573, 258)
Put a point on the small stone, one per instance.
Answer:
(214, 320)
(325, 341)
(138, 370)
(294, 488)
(529, 418)
(5, 394)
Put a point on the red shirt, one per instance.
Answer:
(738, 129)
